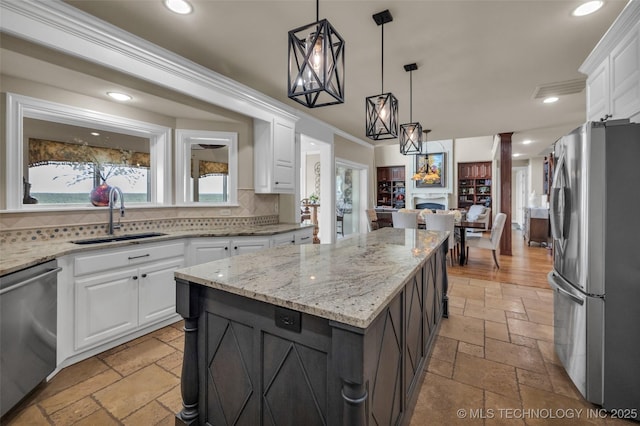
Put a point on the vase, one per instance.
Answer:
(100, 195)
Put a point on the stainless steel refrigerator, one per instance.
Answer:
(595, 225)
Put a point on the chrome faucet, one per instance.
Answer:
(114, 194)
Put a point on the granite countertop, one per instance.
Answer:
(349, 282)
(17, 256)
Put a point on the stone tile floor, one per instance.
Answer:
(493, 363)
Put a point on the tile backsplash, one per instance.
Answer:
(253, 209)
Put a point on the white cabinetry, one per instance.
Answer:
(274, 157)
(613, 70)
(118, 291)
(303, 236)
(203, 250)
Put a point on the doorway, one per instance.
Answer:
(351, 195)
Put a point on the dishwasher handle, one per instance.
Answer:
(30, 280)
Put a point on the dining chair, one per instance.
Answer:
(493, 241)
(372, 219)
(443, 222)
(404, 220)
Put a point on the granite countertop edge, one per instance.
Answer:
(350, 284)
(17, 256)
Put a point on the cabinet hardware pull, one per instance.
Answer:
(226, 248)
(135, 277)
(304, 238)
(144, 275)
(235, 248)
(138, 257)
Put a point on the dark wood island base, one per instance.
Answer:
(248, 362)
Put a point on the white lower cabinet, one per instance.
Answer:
(133, 289)
(203, 250)
(106, 306)
(302, 236)
(157, 291)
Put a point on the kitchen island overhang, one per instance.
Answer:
(326, 334)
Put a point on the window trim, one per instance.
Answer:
(184, 139)
(19, 107)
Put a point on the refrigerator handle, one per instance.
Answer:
(557, 286)
(559, 203)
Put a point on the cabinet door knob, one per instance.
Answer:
(144, 275)
(135, 277)
(226, 248)
(235, 248)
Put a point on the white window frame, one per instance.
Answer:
(184, 140)
(19, 107)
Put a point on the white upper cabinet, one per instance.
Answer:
(613, 70)
(274, 157)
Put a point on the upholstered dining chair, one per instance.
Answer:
(493, 241)
(372, 219)
(405, 219)
(443, 222)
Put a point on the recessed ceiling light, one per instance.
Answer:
(119, 96)
(550, 99)
(526, 142)
(587, 8)
(181, 7)
(95, 134)
(516, 155)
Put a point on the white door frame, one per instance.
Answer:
(363, 192)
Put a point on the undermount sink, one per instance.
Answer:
(114, 238)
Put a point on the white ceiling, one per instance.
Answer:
(479, 61)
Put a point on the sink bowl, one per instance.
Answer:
(113, 238)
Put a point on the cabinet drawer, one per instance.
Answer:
(104, 260)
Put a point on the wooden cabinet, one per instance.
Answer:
(274, 157)
(120, 291)
(391, 190)
(613, 70)
(536, 225)
(474, 184)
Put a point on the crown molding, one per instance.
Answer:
(620, 28)
(62, 27)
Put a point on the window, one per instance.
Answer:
(206, 167)
(56, 160)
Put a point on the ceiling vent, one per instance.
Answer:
(569, 87)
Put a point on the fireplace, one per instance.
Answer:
(431, 206)
(437, 201)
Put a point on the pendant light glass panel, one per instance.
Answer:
(382, 116)
(411, 139)
(316, 65)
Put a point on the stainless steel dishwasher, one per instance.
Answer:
(28, 326)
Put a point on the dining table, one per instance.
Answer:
(463, 226)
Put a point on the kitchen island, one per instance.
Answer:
(313, 334)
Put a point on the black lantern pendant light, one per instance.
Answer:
(382, 109)
(316, 64)
(411, 133)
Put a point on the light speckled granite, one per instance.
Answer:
(349, 282)
(19, 255)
